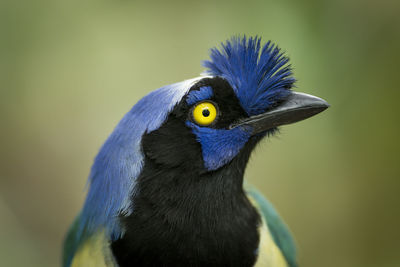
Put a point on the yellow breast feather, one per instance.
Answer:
(95, 252)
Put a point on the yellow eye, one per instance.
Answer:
(204, 113)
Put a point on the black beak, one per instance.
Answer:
(297, 107)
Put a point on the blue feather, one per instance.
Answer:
(219, 146)
(120, 160)
(196, 96)
(259, 76)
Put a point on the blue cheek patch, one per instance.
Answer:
(196, 96)
(219, 146)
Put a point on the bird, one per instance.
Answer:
(167, 187)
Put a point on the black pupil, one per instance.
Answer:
(206, 112)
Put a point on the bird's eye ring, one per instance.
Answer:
(204, 113)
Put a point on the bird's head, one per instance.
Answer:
(199, 125)
(246, 95)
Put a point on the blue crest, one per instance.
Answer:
(260, 76)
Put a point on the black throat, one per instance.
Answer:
(184, 214)
(186, 218)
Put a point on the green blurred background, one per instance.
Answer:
(69, 70)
